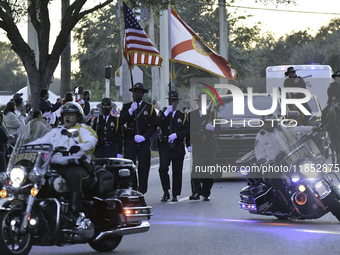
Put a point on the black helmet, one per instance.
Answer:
(72, 107)
(106, 102)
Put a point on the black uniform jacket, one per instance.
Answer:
(179, 125)
(109, 133)
(333, 91)
(144, 116)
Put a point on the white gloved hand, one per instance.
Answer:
(119, 155)
(168, 110)
(209, 127)
(139, 138)
(133, 108)
(189, 148)
(172, 137)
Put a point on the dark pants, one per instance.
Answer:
(142, 152)
(202, 186)
(106, 151)
(2, 161)
(202, 156)
(75, 176)
(177, 166)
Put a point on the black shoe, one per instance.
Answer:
(206, 198)
(194, 196)
(165, 197)
(174, 199)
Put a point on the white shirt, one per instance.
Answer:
(86, 140)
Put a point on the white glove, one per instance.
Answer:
(168, 110)
(139, 138)
(209, 127)
(189, 148)
(119, 155)
(133, 108)
(172, 137)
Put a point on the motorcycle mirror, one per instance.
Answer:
(312, 120)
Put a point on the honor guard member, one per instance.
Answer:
(138, 118)
(204, 148)
(174, 128)
(109, 132)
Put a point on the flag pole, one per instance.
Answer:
(170, 67)
(133, 92)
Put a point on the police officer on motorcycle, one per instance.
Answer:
(268, 142)
(80, 140)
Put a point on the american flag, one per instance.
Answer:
(137, 43)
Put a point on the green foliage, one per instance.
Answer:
(249, 51)
(98, 38)
(12, 71)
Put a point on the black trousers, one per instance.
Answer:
(75, 176)
(142, 152)
(202, 156)
(177, 167)
(202, 186)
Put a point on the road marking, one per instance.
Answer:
(319, 231)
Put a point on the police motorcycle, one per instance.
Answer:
(301, 186)
(34, 199)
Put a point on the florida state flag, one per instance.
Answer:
(188, 48)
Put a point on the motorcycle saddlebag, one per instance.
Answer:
(105, 180)
(123, 170)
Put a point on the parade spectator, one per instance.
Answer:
(174, 127)
(87, 108)
(37, 127)
(68, 97)
(44, 105)
(20, 110)
(138, 118)
(13, 124)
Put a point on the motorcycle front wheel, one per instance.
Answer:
(333, 205)
(11, 240)
(106, 244)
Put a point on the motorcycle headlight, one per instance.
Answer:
(307, 168)
(295, 178)
(17, 176)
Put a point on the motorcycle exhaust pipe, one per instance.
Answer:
(143, 227)
(301, 198)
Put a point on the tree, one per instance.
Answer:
(12, 72)
(99, 42)
(40, 74)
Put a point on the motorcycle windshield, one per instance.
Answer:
(33, 157)
(294, 144)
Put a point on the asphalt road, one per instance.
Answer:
(217, 227)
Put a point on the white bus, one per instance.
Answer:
(317, 78)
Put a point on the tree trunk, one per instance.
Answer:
(65, 61)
